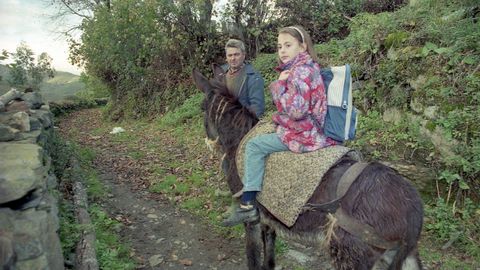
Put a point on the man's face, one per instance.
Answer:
(235, 57)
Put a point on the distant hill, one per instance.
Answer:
(64, 84)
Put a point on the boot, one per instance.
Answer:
(245, 212)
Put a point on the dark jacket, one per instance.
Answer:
(251, 93)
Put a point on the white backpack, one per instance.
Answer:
(341, 119)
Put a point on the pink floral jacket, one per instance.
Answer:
(301, 105)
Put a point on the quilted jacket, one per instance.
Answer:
(301, 104)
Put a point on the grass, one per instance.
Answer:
(112, 253)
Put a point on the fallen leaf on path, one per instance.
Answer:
(185, 262)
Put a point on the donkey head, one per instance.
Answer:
(206, 86)
(224, 116)
(226, 120)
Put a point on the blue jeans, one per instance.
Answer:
(256, 150)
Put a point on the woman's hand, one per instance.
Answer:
(284, 75)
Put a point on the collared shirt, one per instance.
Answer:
(235, 79)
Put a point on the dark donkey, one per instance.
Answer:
(379, 198)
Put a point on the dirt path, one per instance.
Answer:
(161, 235)
(164, 237)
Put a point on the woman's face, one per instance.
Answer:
(288, 47)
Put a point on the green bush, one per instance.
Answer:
(456, 226)
(191, 108)
(425, 54)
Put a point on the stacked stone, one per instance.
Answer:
(28, 212)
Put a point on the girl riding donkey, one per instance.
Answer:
(300, 98)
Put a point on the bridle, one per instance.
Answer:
(213, 145)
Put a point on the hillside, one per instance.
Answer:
(64, 84)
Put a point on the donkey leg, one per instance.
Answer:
(269, 237)
(253, 235)
(412, 262)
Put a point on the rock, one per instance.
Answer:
(431, 112)
(300, 257)
(35, 241)
(35, 124)
(392, 115)
(155, 260)
(152, 216)
(33, 99)
(21, 170)
(45, 117)
(17, 106)
(419, 175)
(32, 137)
(7, 133)
(418, 82)
(27, 247)
(7, 255)
(52, 181)
(186, 262)
(416, 106)
(20, 121)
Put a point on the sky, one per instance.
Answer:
(30, 21)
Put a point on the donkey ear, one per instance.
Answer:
(217, 70)
(201, 81)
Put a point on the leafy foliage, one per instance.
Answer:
(142, 51)
(24, 71)
(419, 59)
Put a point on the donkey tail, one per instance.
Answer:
(406, 257)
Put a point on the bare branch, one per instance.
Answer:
(67, 5)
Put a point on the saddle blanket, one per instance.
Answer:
(286, 189)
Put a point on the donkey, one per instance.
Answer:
(379, 198)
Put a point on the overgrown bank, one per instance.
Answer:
(417, 74)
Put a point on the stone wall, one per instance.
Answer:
(28, 211)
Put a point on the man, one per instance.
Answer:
(242, 80)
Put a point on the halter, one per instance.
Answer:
(213, 144)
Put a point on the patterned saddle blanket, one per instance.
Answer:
(286, 189)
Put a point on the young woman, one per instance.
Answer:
(300, 98)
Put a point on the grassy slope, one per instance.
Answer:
(64, 84)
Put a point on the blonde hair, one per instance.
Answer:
(302, 36)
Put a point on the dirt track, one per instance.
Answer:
(163, 236)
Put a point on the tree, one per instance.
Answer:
(143, 51)
(25, 72)
(252, 21)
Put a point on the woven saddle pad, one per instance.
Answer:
(290, 178)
